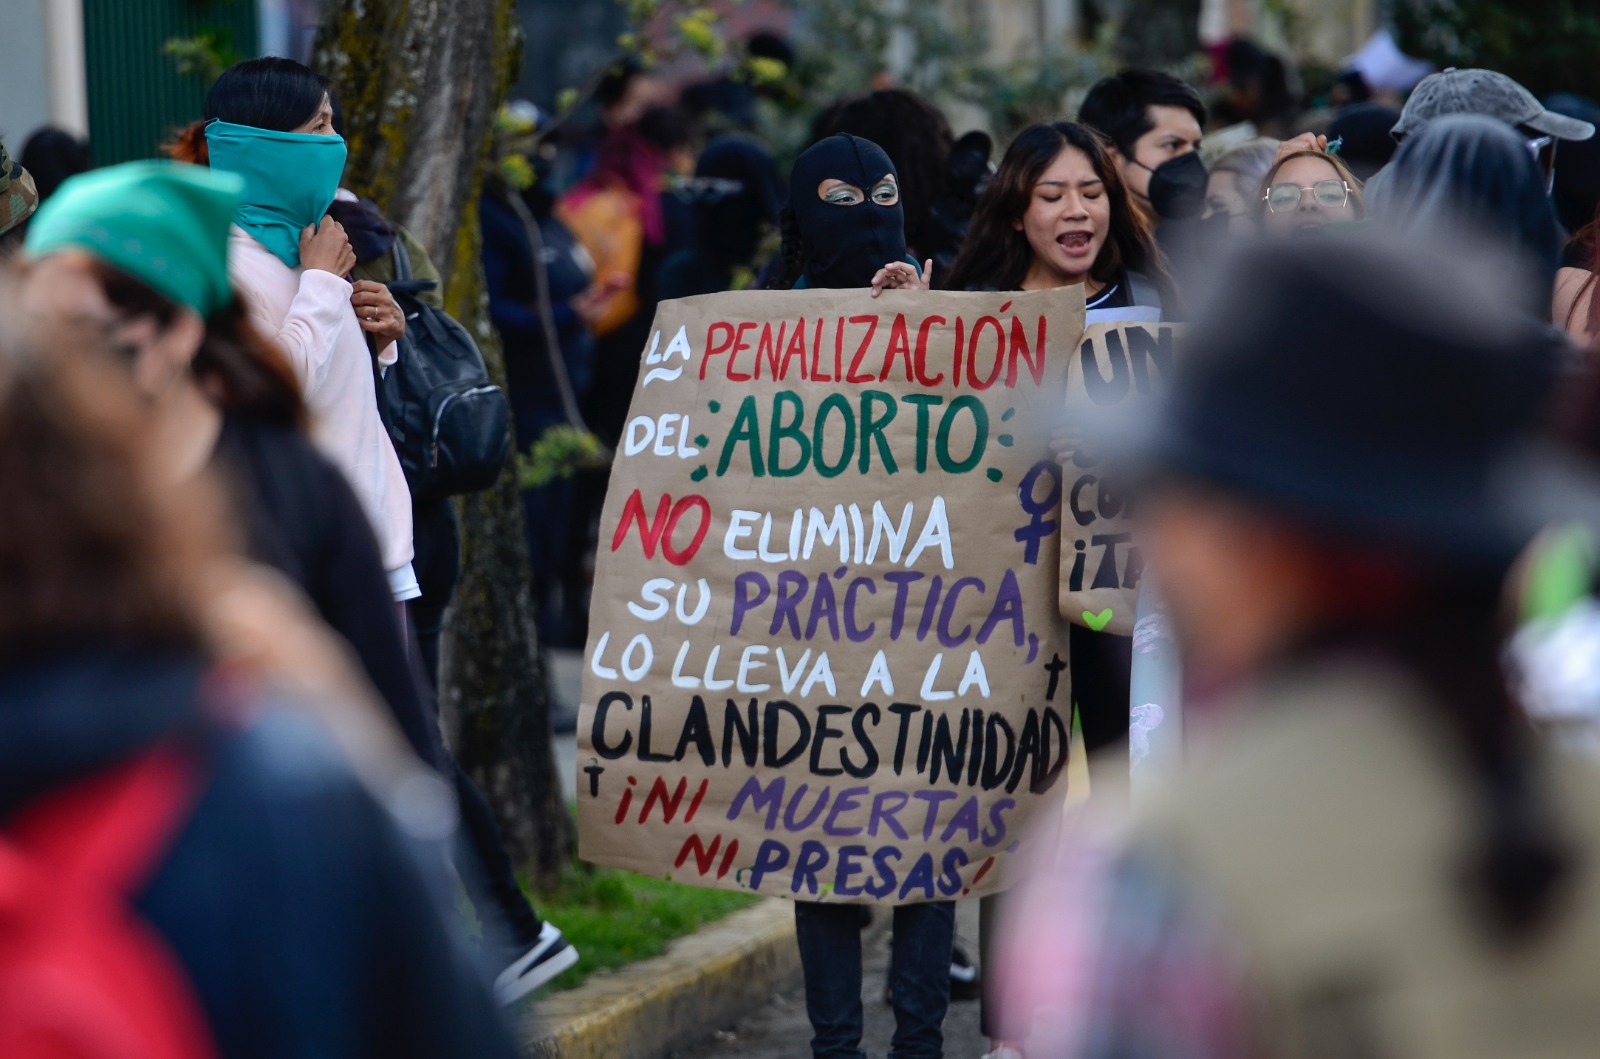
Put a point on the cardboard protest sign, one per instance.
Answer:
(1115, 371)
(824, 658)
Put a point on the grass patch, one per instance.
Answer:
(618, 917)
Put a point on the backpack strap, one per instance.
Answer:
(402, 259)
(114, 826)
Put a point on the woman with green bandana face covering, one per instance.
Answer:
(271, 122)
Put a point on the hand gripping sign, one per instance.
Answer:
(1113, 374)
(825, 659)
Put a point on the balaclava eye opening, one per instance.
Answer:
(846, 245)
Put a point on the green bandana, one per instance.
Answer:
(163, 223)
(289, 181)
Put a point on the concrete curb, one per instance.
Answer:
(645, 1010)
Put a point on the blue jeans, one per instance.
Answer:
(830, 955)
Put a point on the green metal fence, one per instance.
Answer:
(137, 96)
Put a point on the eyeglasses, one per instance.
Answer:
(1331, 194)
(1543, 149)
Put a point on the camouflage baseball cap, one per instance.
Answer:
(18, 197)
(1483, 92)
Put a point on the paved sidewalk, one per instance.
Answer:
(780, 1030)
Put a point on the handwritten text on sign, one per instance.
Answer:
(1113, 373)
(825, 659)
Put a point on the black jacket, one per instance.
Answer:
(300, 517)
(290, 896)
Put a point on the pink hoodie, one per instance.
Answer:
(308, 312)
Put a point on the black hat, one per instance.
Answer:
(1377, 392)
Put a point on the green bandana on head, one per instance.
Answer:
(163, 223)
(290, 179)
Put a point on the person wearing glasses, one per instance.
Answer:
(1305, 190)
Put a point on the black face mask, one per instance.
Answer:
(1178, 187)
(846, 245)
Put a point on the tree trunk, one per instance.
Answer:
(419, 83)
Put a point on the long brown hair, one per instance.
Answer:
(997, 255)
(95, 549)
(238, 367)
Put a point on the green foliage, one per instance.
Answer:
(1548, 45)
(560, 452)
(616, 917)
(203, 56)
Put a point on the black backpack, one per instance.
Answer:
(450, 425)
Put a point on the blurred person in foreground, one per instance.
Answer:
(1471, 176)
(1368, 853)
(141, 251)
(191, 866)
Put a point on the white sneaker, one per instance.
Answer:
(550, 955)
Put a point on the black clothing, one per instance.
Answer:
(845, 245)
(300, 913)
(300, 517)
(436, 538)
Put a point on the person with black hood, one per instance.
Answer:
(735, 195)
(1471, 174)
(844, 228)
(940, 176)
(1377, 855)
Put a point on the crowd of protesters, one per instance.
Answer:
(1367, 506)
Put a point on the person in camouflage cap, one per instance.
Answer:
(18, 197)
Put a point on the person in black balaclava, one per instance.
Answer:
(844, 225)
(844, 228)
(735, 193)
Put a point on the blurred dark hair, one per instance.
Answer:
(614, 82)
(917, 138)
(1119, 106)
(996, 255)
(95, 550)
(237, 366)
(668, 127)
(50, 156)
(268, 93)
(1576, 191)
(793, 253)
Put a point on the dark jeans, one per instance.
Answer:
(1101, 665)
(510, 925)
(830, 955)
(437, 564)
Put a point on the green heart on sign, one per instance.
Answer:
(1098, 622)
